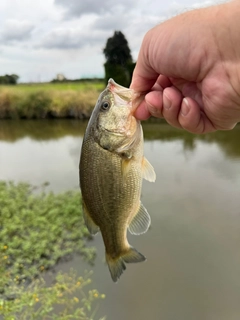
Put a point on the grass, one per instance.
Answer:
(76, 86)
(49, 100)
(37, 230)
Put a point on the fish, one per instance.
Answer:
(111, 169)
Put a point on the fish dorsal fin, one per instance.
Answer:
(148, 172)
(140, 222)
(90, 224)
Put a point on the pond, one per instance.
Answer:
(193, 258)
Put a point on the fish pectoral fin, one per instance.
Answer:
(126, 166)
(140, 222)
(90, 224)
(148, 172)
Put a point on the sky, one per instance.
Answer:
(40, 39)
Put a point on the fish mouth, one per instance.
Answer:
(129, 95)
(124, 93)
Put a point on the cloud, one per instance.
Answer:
(109, 22)
(16, 30)
(207, 3)
(71, 38)
(62, 34)
(76, 8)
(179, 7)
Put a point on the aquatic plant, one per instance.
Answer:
(67, 298)
(37, 230)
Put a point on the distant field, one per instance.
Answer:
(88, 85)
(49, 100)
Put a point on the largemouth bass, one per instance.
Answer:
(111, 168)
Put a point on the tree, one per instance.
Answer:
(117, 50)
(119, 63)
(15, 78)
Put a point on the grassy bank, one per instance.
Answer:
(37, 230)
(49, 100)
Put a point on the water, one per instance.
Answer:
(192, 249)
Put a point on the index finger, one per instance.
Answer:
(144, 77)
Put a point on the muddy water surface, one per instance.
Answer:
(193, 247)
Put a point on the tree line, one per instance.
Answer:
(9, 79)
(119, 64)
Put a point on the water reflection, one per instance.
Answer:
(12, 131)
(193, 266)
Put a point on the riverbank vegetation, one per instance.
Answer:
(38, 230)
(49, 100)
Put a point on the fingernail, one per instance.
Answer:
(153, 110)
(166, 101)
(185, 107)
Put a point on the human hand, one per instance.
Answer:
(189, 70)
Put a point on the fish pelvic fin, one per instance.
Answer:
(90, 224)
(117, 266)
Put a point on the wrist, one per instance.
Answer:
(226, 30)
(227, 38)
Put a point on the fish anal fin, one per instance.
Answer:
(117, 266)
(133, 256)
(90, 224)
(140, 222)
(148, 172)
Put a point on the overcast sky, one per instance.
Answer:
(39, 39)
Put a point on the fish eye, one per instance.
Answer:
(105, 105)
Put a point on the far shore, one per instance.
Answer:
(74, 100)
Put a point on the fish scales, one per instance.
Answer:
(108, 198)
(111, 171)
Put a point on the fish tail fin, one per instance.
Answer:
(117, 266)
